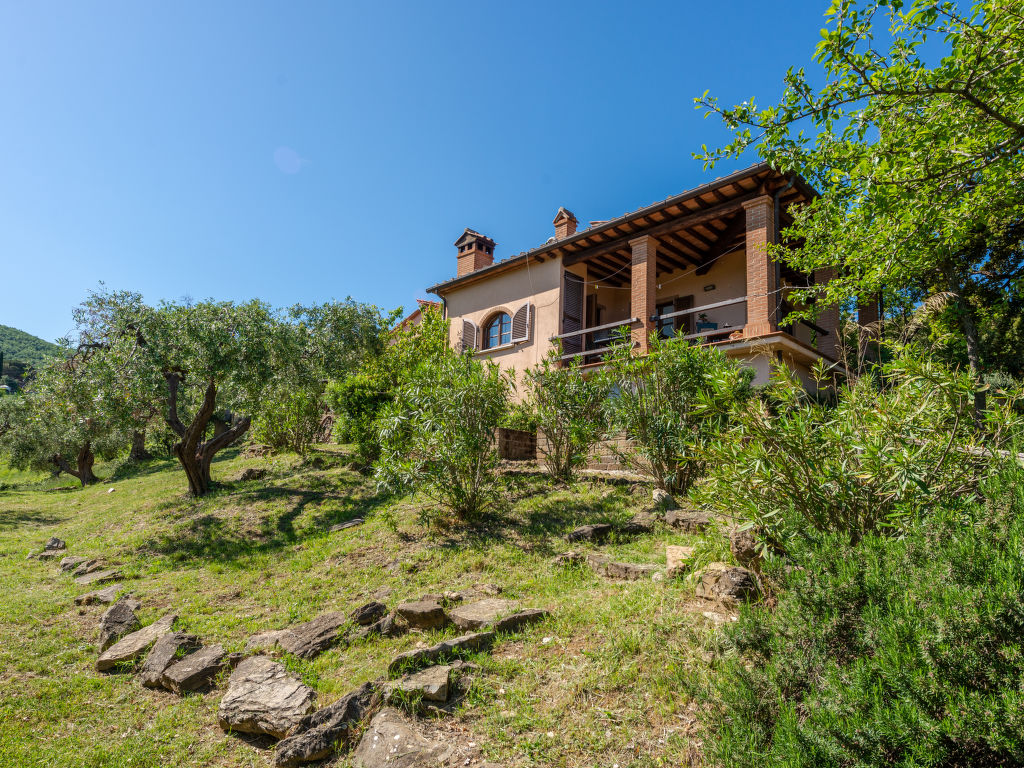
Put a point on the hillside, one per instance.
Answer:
(601, 680)
(22, 347)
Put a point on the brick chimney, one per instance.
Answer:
(565, 223)
(475, 251)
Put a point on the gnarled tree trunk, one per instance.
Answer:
(138, 451)
(83, 465)
(194, 453)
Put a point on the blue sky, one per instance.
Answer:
(299, 152)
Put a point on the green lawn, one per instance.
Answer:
(607, 686)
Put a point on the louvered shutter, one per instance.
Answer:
(572, 313)
(469, 331)
(521, 323)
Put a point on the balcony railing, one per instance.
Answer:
(594, 340)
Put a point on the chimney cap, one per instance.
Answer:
(471, 235)
(564, 214)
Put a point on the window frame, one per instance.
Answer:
(503, 321)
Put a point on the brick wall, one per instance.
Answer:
(644, 288)
(761, 283)
(516, 444)
(601, 456)
(828, 318)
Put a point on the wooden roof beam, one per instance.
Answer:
(736, 226)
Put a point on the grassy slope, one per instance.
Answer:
(257, 556)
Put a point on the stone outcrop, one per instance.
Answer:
(130, 647)
(365, 615)
(728, 583)
(391, 741)
(263, 698)
(164, 654)
(195, 672)
(310, 639)
(71, 562)
(688, 520)
(99, 577)
(597, 532)
(423, 614)
(420, 657)
(519, 620)
(105, 595)
(745, 547)
(431, 684)
(677, 560)
(391, 625)
(117, 621)
(481, 613)
(316, 734)
(605, 566)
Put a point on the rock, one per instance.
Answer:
(391, 625)
(71, 562)
(628, 571)
(745, 547)
(252, 473)
(195, 672)
(316, 734)
(569, 558)
(720, 581)
(164, 654)
(130, 647)
(634, 527)
(310, 639)
(597, 532)
(423, 614)
(263, 698)
(365, 615)
(663, 499)
(105, 595)
(98, 577)
(391, 741)
(419, 657)
(517, 621)
(88, 566)
(54, 544)
(265, 641)
(347, 524)
(688, 521)
(491, 590)
(430, 683)
(677, 559)
(480, 613)
(117, 621)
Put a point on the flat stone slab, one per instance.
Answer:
(391, 625)
(420, 657)
(310, 639)
(263, 698)
(596, 532)
(727, 583)
(431, 683)
(423, 614)
(265, 641)
(520, 619)
(365, 615)
(481, 613)
(46, 554)
(93, 564)
(391, 741)
(71, 562)
(347, 524)
(164, 654)
(677, 559)
(130, 647)
(316, 734)
(626, 571)
(688, 520)
(194, 672)
(117, 621)
(98, 577)
(105, 595)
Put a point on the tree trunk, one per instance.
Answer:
(192, 451)
(139, 452)
(83, 465)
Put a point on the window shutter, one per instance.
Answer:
(572, 317)
(521, 323)
(469, 333)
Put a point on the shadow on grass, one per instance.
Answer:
(14, 519)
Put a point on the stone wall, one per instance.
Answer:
(601, 456)
(516, 444)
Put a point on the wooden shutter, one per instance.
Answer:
(469, 333)
(521, 323)
(572, 313)
(684, 323)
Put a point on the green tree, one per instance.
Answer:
(917, 147)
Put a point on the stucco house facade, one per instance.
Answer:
(695, 265)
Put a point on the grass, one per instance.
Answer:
(599, 683)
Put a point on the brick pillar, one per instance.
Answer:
(828, 318)
(868, 318)
(761, 283)
(644, 287)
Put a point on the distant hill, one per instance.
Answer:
(21, 347)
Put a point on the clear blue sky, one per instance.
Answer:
(300, 152)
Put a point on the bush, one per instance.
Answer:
(894, 651)
(884, 451)
(669, 403)
(290, 419)
(437, 437)
(568, 408)
(358, 401)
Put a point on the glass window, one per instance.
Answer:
(498, 331)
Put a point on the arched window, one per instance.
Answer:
(498, 331)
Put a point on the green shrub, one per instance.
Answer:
(437, 436)
(290, 419)
(358, 401)
(672, 405)
(885, 450)
(568, 408)
(893, 651)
